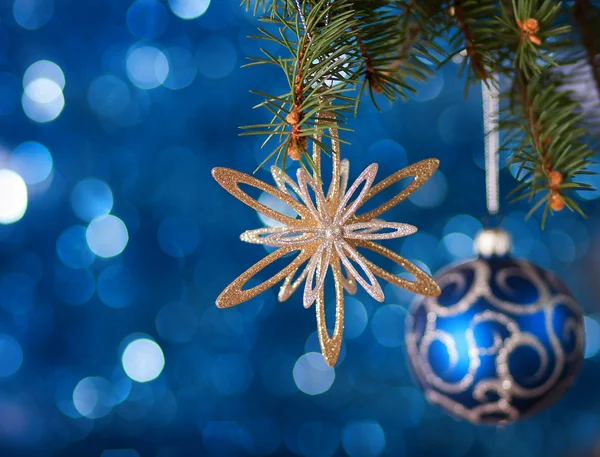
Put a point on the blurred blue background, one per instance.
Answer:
(115, 242)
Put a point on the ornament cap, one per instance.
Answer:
(493, 242)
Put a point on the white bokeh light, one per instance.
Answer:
(143, 360)
(13, 197)
(43, 90)
(312, 375)
(42, 112)
(147, 67)
(107, 236)
(43, 100)
(189, 9)
(44, 69)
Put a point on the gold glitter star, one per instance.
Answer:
(327, 234)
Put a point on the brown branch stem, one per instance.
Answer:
(476, 63)
(532, 121)
(412, 34)
(411, 38)
(370, 73)
(541, 142)
(298, 143)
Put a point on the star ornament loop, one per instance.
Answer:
(325, 236)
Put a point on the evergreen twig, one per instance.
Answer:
(386, 47)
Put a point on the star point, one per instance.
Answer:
(327, 235)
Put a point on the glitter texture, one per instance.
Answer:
(503, 341)
(326, 234)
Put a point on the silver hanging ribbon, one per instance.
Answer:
(299, 8)
(491, 106)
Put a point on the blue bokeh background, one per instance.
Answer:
(112, 114)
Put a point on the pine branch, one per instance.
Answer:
(391, 36)
(333, 52)
(317, 69)
(543, 120)
(343, 45)
(270, 6)
(371, 76)
(553, 151)
(473, 20)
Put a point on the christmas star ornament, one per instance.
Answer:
(326, 235)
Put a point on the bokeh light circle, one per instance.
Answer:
(410, 400)
(356, 318)
(72, 248)
(189, 9)
(91, 198)
(147, 67)
(459, 245)
(43, 89)
(32, 161)
(116, 286)
(463, 223)
(11, 355)
(312, 375)
(388, 325)
(143, 360)
(429, 90)
(33, 14)
(93, 397)
(591, 179)
(562, 245)
(182, 68)
(107, 236)
(388, 151)
(108, 96)
(43, 98)
(44, 69)
(13, 197)
(432, 193)
(363, 439)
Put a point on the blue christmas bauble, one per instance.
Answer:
(503, 340)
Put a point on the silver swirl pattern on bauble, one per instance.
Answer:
(483, 293)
